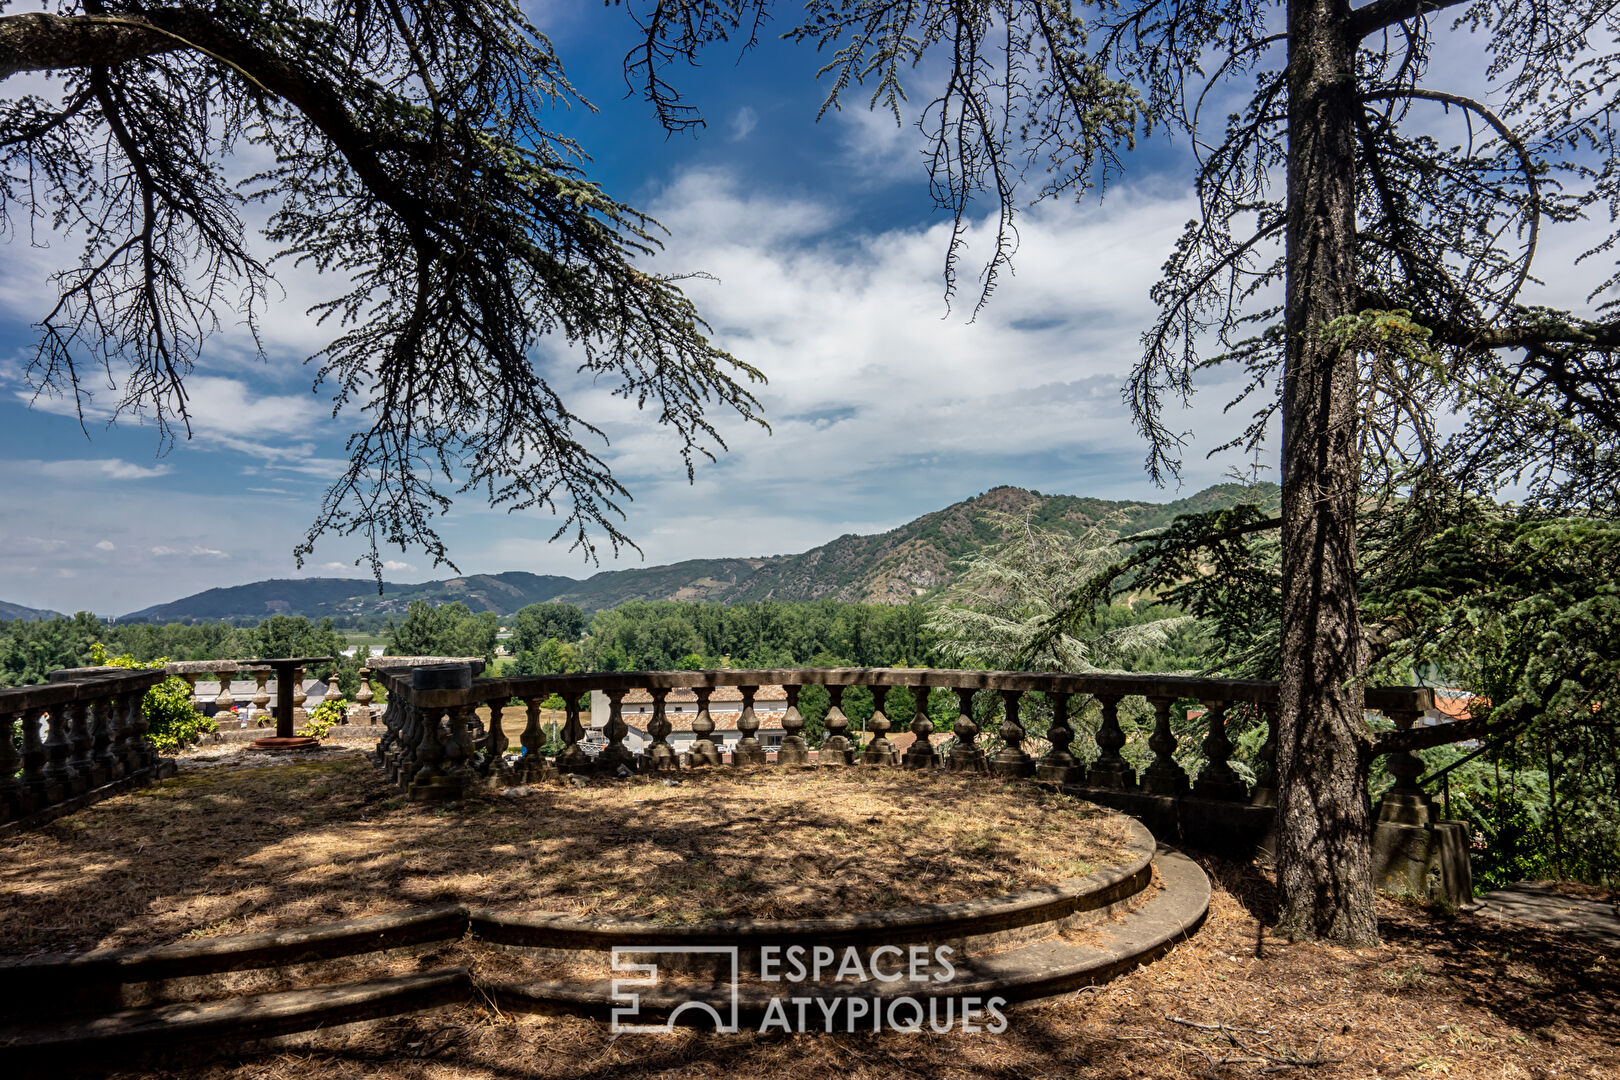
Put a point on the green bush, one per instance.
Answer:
(171, 720)
(327, 715)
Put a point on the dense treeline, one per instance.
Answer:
(30, 650)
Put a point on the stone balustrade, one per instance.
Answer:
(434, 745)
(83, 737)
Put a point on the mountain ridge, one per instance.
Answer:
(911, 560)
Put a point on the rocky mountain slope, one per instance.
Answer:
(888, 568)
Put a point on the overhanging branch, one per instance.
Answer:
(1382, 14)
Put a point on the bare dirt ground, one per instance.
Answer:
(235, 845)
(1444, 996)
(1457, 996)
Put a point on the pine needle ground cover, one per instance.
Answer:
(236, 850)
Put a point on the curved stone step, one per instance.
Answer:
(53, 1048)
(1040, 969)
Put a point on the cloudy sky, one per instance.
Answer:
(826, 255)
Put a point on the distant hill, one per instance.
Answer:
(27, 614)
(342, 598)
(888, 568)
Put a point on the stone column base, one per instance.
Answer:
(1426, 861)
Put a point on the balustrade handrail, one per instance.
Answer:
(1175, 687)
(436, 746)
(81, 731)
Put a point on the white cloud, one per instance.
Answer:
(396, 565)
(743, 121)
(106, 545)
(81, 470)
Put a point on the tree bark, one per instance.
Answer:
(1324, 864)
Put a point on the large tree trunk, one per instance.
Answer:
(1323, 837)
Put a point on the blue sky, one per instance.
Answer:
(827, 253)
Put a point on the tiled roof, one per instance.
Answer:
(721, 693)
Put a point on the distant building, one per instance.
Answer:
(680, 709)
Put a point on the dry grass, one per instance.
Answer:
(1443, 997)
(229, 851)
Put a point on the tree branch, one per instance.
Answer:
(1382, 14)
(39, 41)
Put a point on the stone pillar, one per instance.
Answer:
(1110, 771)
(15, 799)
(81, 741)
(966, 755)
(108, 722)
(259, 715)
(1164, 776)
(1059, 766)
(1012, 759)
(1217, 780)
(921, 754)
(573, 758)
(362, 712)
(793, 751)
(59, 749)
(879, 751)
(836, 748)
(226, 699)
(748, 751)
(704, 752)
(46, 787)
(615, 755)
(660, 755)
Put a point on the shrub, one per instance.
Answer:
(171, 719)
(327, 715)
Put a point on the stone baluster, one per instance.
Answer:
(37, 776)
(260, 713)
(573, 758)
(128, 746)
(391, 745)
(793, 751)
(1059, 766)
(191, 685)
(493, 763)
(227, 698)
(15, 799)
(966, 756)
(1110, 770)
(1217, 780)
(533, 741)
(430, 750)
(1265, 787)
(108, 723)
(145, 753)
(879, 751)
(660, 755)
(1165, 776)
(1012, 759)
(58, 750)
(748, 750)
(363, 697)
(1405, 803)
(458, 749)
(299, 697)
(836, 748)
(704, 752)
(921, 753)
(615, 755)
(334, 691)
(79, 743)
